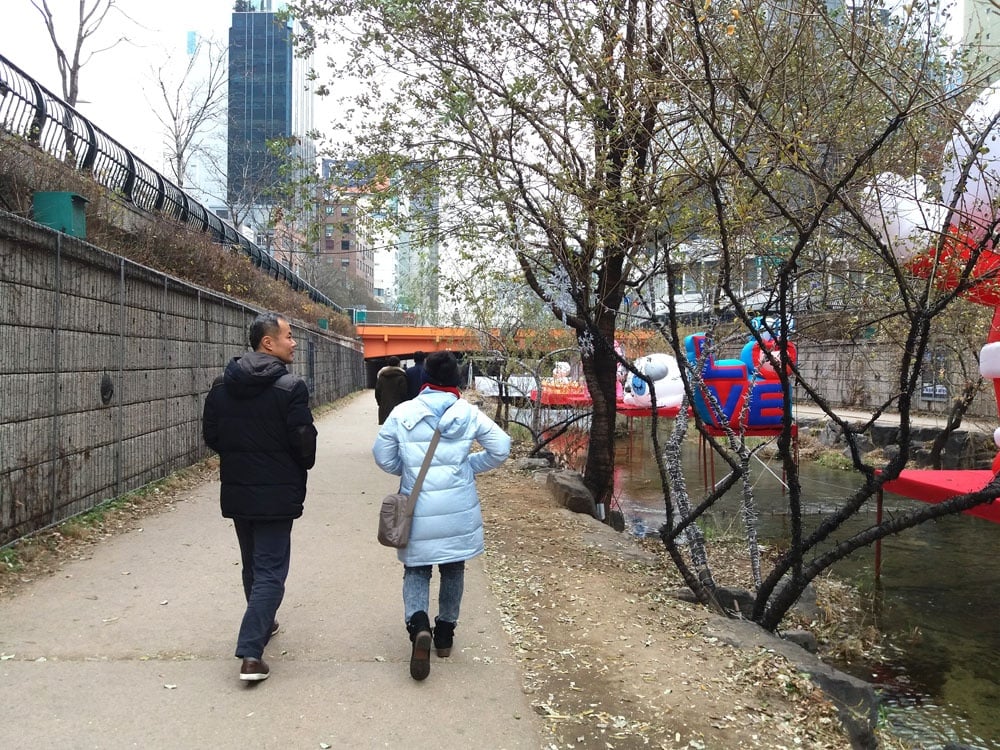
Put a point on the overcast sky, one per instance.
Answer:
(116, 86)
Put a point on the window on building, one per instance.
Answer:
(858, 281)
(769, 267)
(345, 227)
(329, 210)
(345, 210)
(837, 286)
(709, 277)
(345, 245)
(345, 262)
(690, 283)
(811, 289)
(328, 231)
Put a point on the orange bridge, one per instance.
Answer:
(402, 341)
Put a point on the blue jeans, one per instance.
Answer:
(265, 549)
(417, 585)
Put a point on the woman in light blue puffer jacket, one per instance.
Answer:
(447, 524)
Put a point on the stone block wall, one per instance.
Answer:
(104, 366)
(863, 376)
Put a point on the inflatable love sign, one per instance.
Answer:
(724, 381)
(748, 388)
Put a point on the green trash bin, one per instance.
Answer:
(64, 212)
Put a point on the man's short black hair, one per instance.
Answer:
(418, 357)
(265, 324)
(393, 361)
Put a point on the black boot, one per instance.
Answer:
(419, 628)
(444, 636)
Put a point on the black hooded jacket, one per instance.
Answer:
(390, 390)
(257, 419)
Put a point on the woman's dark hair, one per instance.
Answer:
(442, 369)
(265, 324)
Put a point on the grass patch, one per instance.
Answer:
(834, 459)
(10, 560)
(520, 434)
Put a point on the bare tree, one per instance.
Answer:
(259, 192)
(191, 104)
(795, 114)
(550, 148)
(71, 59)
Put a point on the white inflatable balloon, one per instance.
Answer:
(663, 370)
(976, 205)
(896, 210)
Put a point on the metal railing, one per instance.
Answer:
(32, 112)
(364, 317)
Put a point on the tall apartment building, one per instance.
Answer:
(269, 99)
(345, 245)
(390, 245)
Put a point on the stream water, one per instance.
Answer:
(937, 602)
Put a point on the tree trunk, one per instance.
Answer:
(599, 369)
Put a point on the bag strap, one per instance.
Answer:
(423, 472)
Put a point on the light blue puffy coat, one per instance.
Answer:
(447, 522)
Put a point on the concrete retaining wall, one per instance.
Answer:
(104, 365)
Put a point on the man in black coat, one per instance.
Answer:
(390, 388)
(416, 376)
(257, 419)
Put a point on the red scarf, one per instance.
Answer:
(445, 388)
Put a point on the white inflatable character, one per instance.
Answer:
(974, 150)
(989, 367)
(560, 372)
(663, 371)
(896, 208)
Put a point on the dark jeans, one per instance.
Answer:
(416, 590)
(266, 548)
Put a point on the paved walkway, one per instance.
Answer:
(938, 420)
(133, 646)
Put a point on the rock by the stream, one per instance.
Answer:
(569, 491)
(802, 638)
(856, 700)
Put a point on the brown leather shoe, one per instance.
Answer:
(254, 670)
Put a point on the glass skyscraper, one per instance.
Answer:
(260, 102)
(269, 99)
